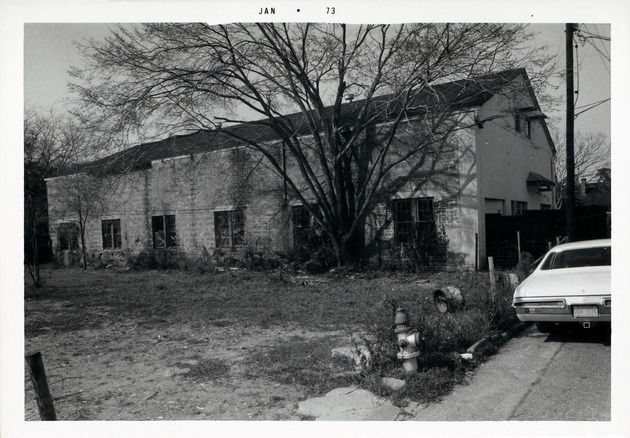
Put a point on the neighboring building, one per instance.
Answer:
(205, 193)
(595, 192)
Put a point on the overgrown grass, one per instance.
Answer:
(246, 298)
(307, 363)
(346, 302)
(483, 313)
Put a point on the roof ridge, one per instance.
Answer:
(179, 144)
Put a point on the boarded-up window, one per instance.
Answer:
(164, 233)
(229, 228)
(111, 234)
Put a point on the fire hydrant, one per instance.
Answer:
(409, 342)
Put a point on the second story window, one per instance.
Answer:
(523, 124)
(518, 208)
(518, 122)
(112, 238)
(164, 234)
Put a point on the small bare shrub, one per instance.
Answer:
(257, 258)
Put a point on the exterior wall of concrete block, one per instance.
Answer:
(192, 189)
(479, 168)
(453, 187)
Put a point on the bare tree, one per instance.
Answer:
(159, 78)
(81, 195)
(52, 145)
(592, 154)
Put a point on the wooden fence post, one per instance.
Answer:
(476, 252)
(492, 278)
(40, 383)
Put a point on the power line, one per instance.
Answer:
(604, 46)
(587, 37)
(590, 35)
(605, 55)
(590, 107)
(579, 34)
(599, 102)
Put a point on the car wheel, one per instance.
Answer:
(544, 327)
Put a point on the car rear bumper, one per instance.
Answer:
(563, 309)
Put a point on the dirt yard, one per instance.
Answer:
(156, 345)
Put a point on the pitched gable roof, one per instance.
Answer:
(455, 95)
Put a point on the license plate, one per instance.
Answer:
(585, 312)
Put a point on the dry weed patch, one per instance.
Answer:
(236, 344)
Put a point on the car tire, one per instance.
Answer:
(544, 327)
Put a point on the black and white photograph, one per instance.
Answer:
(319, 218)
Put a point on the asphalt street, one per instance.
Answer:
(575, 385)
(564, 376)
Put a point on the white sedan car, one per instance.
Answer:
(570, 285)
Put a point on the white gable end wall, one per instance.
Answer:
(506, 157)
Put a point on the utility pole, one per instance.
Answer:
(570, 204)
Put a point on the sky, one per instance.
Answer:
(49, 50)
(592, 76)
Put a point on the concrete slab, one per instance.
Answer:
(349, 404)
(500, 390)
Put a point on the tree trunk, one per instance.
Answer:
(33, 265)
(83, 248)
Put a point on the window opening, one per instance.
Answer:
(518, 207)
(68, 236)
(229, 228)
(112, 238)
(413, 218)
(517, 122)
(164, 233)
(301, 225)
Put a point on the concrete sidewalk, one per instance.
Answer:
(498, 387)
